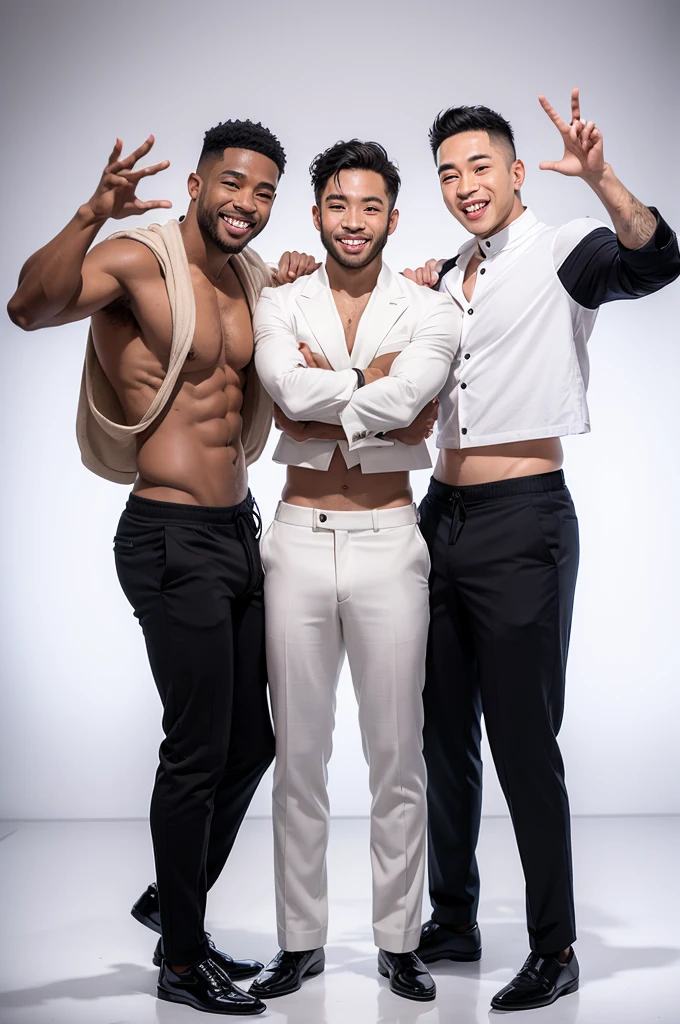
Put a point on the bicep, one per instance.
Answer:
(107, 271)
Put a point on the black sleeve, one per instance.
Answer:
(599, 269)
(449, 265)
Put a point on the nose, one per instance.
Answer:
(353, 221)
(245, 203)
(466, 187)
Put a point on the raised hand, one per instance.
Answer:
(293, 265)
(583, 143)
(427, 276)
(115, 195)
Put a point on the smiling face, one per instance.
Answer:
(234, 194)
(480, 181)
(353, 217)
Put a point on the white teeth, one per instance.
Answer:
(354, 241)
(237, 223)
(474, 207)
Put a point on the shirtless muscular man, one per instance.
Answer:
(187, 544)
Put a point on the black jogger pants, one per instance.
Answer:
(504, 562)
(194, 579)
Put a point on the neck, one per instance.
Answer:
(515, 211)
(353, 282)
(201, 251)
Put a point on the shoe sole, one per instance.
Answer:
(145, 921)
(263, 994)
(404, 995)
(536, 1005)
(237, 1012)
(459, 958)
(157, 961)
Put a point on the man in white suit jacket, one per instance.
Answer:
(353, 356)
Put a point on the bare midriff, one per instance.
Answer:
(462, 466)
(345, 490)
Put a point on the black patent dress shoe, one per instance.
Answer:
(437, 942)
(409, 977)
(147, 910)
(238, 970)
(542, 980)
(206, 987)
(286, 972)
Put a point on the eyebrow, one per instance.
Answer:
(471, 159)
(338, 195)
(240, 174)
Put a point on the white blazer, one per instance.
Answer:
(424, 326)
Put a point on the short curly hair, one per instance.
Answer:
(243, 135)
(470, 119)
(355, 155)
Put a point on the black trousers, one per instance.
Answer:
(194, 579)
(504, 563)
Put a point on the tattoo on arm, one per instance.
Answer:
(639, 225)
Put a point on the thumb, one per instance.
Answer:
(548, 165)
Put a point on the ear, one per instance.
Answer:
(194, 184)
(393, 221)
(316, 217)
(518, 174)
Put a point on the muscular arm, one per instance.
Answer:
(60, 282)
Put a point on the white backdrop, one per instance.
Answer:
(79, 712)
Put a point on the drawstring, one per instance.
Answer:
(249, 514)
(458, 516)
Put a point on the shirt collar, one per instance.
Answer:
(516, 228)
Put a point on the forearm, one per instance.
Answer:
(52, 276)
(317, 431)
(633, 222)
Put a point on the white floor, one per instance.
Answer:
(71, 954)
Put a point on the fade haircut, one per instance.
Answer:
(242, 135)
(354, 155)
(470, 119)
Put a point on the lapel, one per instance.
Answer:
(385, 307)
(319, 310)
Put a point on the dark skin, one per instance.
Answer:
(192, 453)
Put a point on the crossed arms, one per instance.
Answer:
(392, 401)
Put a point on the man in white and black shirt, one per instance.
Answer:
(500, 523)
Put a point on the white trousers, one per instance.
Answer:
(354, 581)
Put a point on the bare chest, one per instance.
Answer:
(350, 310)
(223, 334)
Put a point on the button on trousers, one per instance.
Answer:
(354, 582)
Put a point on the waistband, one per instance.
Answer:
(329, 519)
(553, 481)
(217, 515)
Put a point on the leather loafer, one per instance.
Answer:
(437, 942)
(206, 987)
(238, 970)
(542, 980)
(286, 972)
(409, 977)
(147, 910)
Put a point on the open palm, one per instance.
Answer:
(583, 143)
(116, 193)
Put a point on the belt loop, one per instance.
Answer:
(374, 518)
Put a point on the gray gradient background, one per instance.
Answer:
(80, 716)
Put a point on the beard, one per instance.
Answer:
(375, 248)
(209, 223)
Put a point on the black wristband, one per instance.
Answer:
(360, 376)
